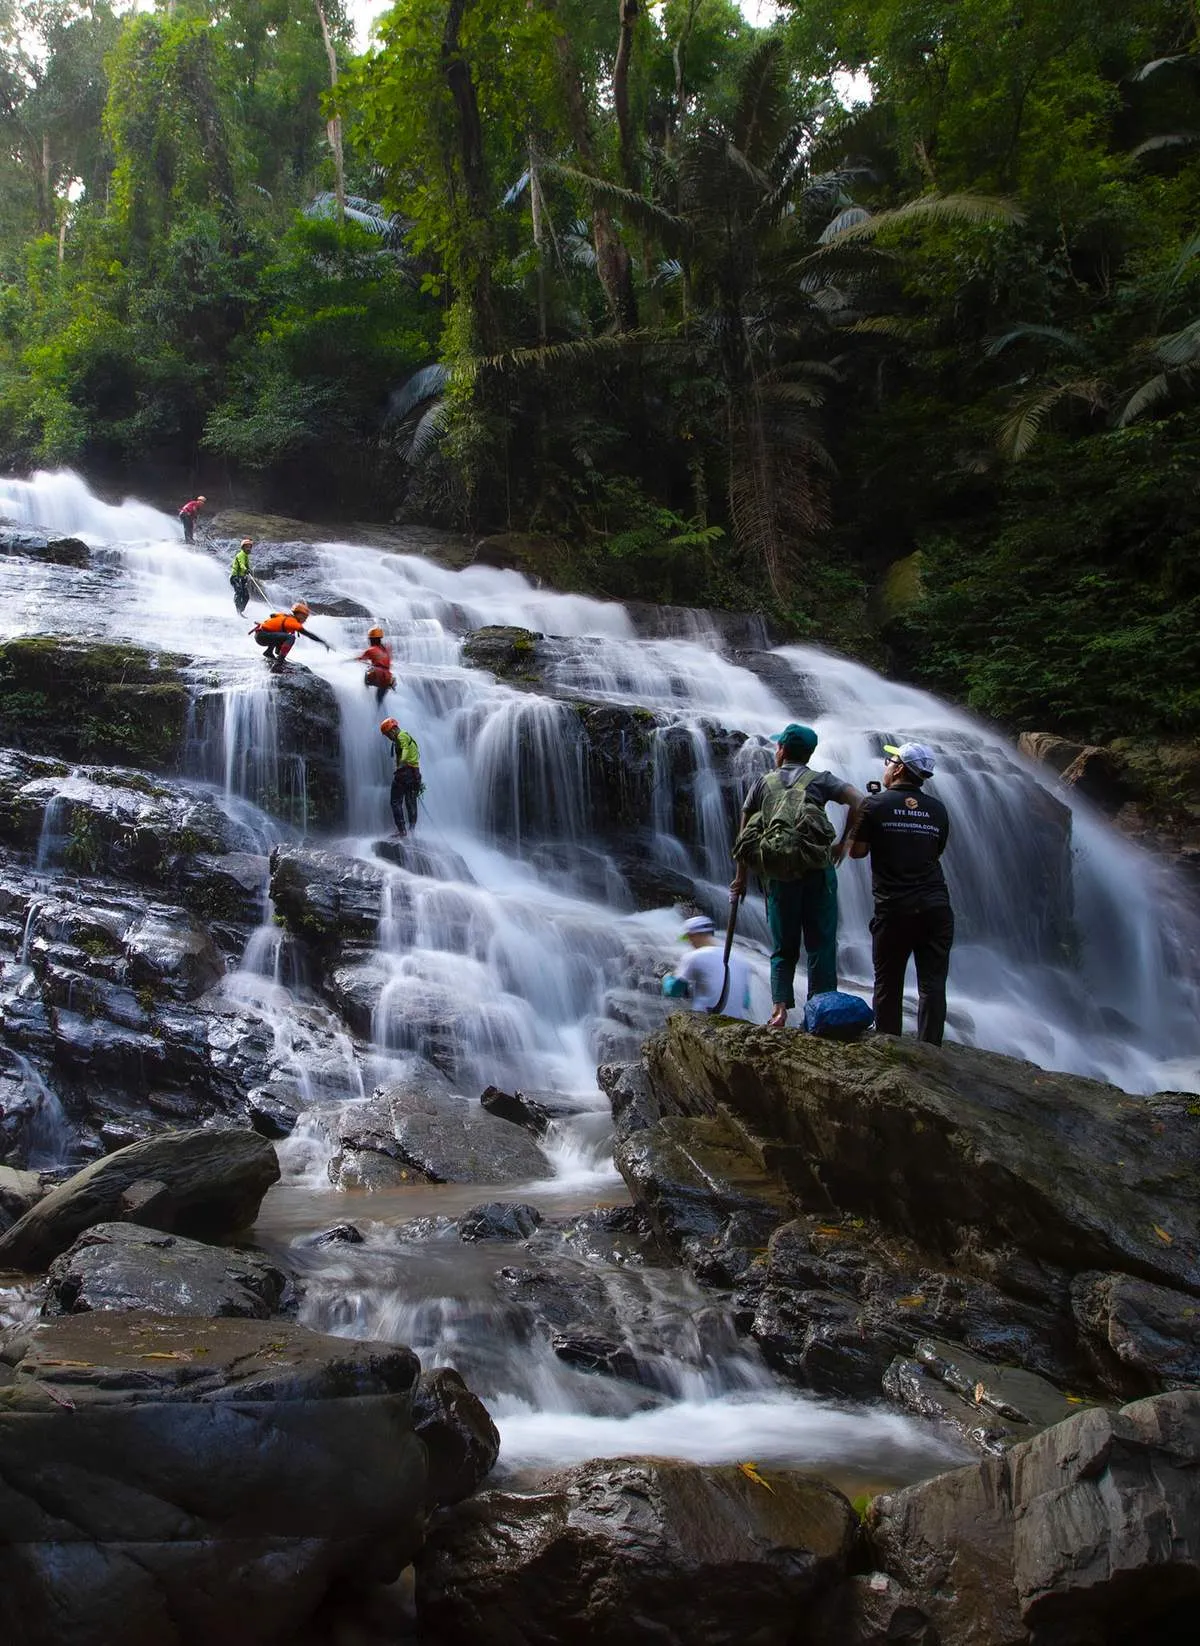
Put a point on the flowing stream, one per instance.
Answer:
(510, 931)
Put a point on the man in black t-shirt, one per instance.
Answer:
(905, 832)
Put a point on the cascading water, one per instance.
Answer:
(510, 950)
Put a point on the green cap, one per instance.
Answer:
(798, 740)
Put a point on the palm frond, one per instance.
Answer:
(1147, 69)
(513, 194)
(423, 385)
(888, 325)
(551, 355)
(1150, 394)
(1164, 140)
(850, 218)
(1180, 348)
(934, 208)
(1028, 417)
(430, 428)
(799, 394)
(758, 94)
(633, 206)
(1049, 334)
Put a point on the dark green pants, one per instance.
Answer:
(803, 914)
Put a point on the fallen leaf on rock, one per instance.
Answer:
(912, 1302)
(1167, 1240)
(980, 1391)
(750, 1470)
(165, 1354)
(59, 1400)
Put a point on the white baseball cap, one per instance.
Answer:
(696, 925)
(918, 757)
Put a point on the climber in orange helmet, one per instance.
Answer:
(277, 635)
(379, 657)
(407, 787)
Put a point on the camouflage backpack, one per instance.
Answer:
(789, 836)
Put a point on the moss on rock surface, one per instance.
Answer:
(91, 700)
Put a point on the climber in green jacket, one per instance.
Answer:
(406, 780)
(239, 575)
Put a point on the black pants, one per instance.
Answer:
(189, 526)
(406, 791)
(241, 593)
(928, 936)
(276, 643)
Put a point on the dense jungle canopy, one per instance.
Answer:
(673, 289)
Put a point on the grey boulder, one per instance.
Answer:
(202, 1183)
(409, 1135)
(636, 1550)
(121, 1266)
(180, 1482)
(1086, 1535)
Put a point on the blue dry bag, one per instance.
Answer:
(676, 988)
(837, 1016)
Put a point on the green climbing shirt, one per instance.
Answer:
(241, 564)
(405, 748)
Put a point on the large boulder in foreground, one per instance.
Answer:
(1087, 1535)
(954, 1147)
(180, 1482)
(123, 1266)
(636, 1550)
(205, 1184)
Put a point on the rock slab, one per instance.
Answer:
(180, 1482)
(1087, 1535)
(632, 1551)
(951, 1145)
(121, 1266)
(201, 1183)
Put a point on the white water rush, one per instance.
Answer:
(518, 948)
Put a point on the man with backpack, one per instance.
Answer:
(788, 840)
(905, 832)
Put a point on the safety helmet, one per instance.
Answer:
(247, 543)
(200, 497)
(375, 634)
(389, 725)
(300, 609)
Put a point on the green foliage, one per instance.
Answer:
(1077, 606)
(92, 701)
(671, 309)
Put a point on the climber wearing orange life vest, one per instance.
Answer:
(379, 674)
(277, 635)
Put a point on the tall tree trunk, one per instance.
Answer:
(468, 136)
(613, 264)
(333, 127)
(538, 213)
(678, 57)
(627, 13)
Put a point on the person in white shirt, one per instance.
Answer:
(702, 971)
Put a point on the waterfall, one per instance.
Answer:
(62, 504)
(522, 934)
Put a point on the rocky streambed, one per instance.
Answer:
(1008, 1254)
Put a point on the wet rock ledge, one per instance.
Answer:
(979, 1239)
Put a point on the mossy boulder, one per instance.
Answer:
(91, 700)
(511, 653)
(900, 589)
